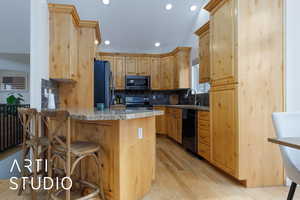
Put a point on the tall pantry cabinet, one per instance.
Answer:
(246, 50)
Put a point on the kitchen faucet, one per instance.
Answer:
(190, 90)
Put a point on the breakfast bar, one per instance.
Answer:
(127, 154)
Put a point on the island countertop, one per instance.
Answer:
(111, 114)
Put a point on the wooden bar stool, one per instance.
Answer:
(69, 152)
(34, 142)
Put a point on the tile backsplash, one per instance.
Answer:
(163, 97)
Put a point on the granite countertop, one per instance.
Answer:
(110, 114)
(193, 107)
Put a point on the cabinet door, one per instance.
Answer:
(204, 62)
(179, 126)
(131, 66)
(155, 73)
(224, 133)
(176, 71)
(74, 51)
(222, 43)
(164, 72)
(183, 68)
(160, 121)
(119, 72)
(143, 66)
(171, 73)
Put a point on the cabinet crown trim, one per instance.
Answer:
(202, 29)
(146, 55)
(212, 4)
(71, 9)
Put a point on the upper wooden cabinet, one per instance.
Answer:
(119, 72)
(168, 71)
(247, 51)
(131, 66)
(204, 53)
(143, 67)
(155, 73)
(182, 61)
(65, 27)
(222, 32)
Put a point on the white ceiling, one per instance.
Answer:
(134, 26)
(14, 26)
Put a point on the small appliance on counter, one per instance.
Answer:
(103, 84)
(138, 103)
(137, 82)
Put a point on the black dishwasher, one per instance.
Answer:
(189, 130)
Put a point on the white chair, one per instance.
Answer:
(288, 125)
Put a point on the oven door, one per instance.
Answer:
(137, 82)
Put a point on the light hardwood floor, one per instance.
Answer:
(182, 176)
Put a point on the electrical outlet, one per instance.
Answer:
(140, 133)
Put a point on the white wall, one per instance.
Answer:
(15, 62)
(39, 49)
(292, 55)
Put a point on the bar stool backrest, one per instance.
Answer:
(28, 119)
(61, 118)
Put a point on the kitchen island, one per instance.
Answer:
(127, 155)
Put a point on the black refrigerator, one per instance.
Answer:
(103, 83)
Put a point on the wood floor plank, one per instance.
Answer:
(183, 176)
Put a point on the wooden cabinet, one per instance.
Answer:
(71, 56)
(222, 44)
(155, 73)
(174, 124)
(64, 37)
(204, 136)
(161, 127)
(168, 71)
(117, 64)
(183, 68)
(246, 88)
(143, 68)
(204, 53)
(119, 73)
(138, 66)
(131, 66)
(224, 133)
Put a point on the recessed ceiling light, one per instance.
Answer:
(157, 44)
(107, 42)
(105, 2)
(169, 6)
(96, 42)
(193, 8)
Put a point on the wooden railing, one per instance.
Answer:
(11, 133)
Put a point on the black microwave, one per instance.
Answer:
(137, 82)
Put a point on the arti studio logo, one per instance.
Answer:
(45, 183)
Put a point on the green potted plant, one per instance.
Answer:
(13, 99)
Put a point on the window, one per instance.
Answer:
(198, 87)
(13, 80)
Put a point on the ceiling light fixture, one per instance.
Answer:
(193, 8)
(96, 42)
(106, 2)
(107, 42)
(169, 6)
(157, 44)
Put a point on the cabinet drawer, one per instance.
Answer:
(204, 137)
(203, 125)
(203, 116)
(204, 151)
